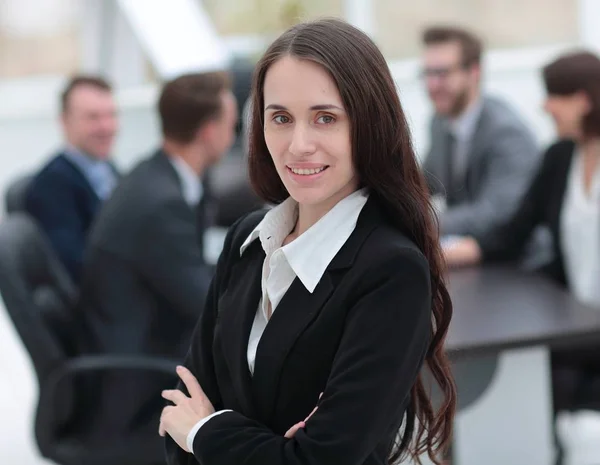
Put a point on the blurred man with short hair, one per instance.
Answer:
(66, 194)
(145, 277)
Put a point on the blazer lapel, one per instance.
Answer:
(78, 173)
(237, 309)
(297, 309)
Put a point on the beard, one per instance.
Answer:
(461, 101)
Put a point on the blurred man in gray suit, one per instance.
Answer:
(482, 156)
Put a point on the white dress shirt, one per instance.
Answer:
(580, 234)
(305, 258)
(191, 185)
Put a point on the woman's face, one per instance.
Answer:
(568, 112)
(307, 132)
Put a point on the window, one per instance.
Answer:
(247, 17)
(501, 23)
(38, 37)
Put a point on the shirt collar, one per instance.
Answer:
(465, 125)
(309, 254)
(99, 172)
(190, 182)
(82, 159)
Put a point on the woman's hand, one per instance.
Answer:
(294, 429)
(179, 419)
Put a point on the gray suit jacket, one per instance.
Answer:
(502, 159)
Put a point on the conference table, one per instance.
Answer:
(505, 322)
(504, 325)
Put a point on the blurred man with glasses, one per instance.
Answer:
(482, 155)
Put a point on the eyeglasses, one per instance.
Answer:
(440, 73)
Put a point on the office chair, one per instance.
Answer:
(39, 298)
(14, 198)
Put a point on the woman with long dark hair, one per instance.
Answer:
(324, 309)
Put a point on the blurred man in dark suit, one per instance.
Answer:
(145, 277)
(66, 194)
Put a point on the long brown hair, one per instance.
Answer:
(385, 161)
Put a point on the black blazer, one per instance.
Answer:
(542, 205)
(360, 338)
(144, 286)
(64, 204)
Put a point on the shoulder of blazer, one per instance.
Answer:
(150, 186)
(59, 171)
(387, 255)
(498, 116)
(376, 239)
(60, 167)
(386, 244)
(236, 235)
(558, 155)
(554, 168)
(551, 178)
(238, 232)
(242, 228)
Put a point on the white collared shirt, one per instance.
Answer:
(463, 128)
(580, 234)
(305, 258)
(191, 187)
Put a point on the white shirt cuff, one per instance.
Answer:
(192, 434)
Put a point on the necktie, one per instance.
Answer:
(449, 182)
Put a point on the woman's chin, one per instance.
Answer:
(307, 196)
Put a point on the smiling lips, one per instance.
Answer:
(307, 171)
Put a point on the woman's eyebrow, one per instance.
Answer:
(275, 106)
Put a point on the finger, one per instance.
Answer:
(290, 433)
(190, 381)
(311, 413)
(175, 396)
(162, 428)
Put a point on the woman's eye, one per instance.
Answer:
(281, 119)
(326, 119)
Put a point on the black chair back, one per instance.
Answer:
(16, 193)
(37, 292)
(39, 297)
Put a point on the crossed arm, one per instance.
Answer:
(385, 338)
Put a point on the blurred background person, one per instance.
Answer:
(565, 196)
(68, 191)
(145, 276)
(481, 155)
